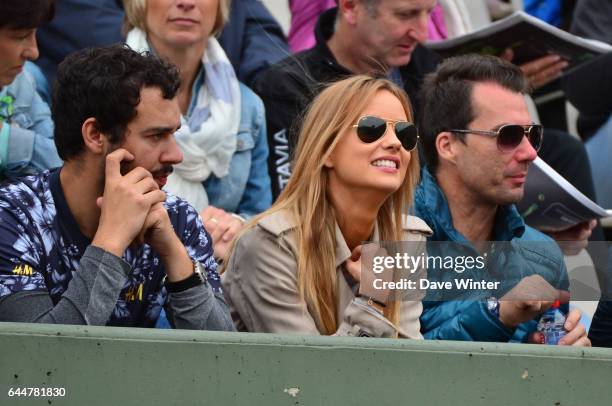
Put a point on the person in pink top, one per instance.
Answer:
(304, 14)
(437, 27)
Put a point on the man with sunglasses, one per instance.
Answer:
(478, 140)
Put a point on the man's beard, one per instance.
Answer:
(126, 167)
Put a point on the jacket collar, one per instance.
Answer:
(323, 32)
(431, 204)
(280, 222)
(342, 249)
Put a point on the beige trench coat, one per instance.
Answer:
(261, 288)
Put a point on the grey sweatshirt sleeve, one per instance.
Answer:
(90, 298)
(198, 308)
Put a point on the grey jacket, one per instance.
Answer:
(260, 285)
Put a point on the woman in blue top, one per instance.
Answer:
(224, 173)
(26, 129)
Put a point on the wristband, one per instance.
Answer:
(493, 306)
(195, 279)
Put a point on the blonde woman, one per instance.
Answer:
(296, 267)
(224, 173)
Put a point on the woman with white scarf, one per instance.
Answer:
(224, 172)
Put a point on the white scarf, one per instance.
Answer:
(208, 139)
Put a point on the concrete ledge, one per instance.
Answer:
(109, 366)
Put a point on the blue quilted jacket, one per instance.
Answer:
(470, 320)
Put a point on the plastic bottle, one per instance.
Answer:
(551, 324)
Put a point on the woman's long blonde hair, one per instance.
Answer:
(330, 116)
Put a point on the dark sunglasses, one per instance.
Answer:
(371, 128)
(510, 136)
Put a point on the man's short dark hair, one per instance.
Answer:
(446, 95)
(25, 14)
(104, 83)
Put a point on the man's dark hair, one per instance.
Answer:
(104, 83)
(446, 95)
(25, 14)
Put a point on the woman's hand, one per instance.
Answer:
(360, 267)
(353, 264)
(223, 227)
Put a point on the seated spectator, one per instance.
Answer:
(304, 15)
(378, 39)
(562, 151)
(588, 88)
(437, 25)
(385, 35)
(224, 172)
(296, 267)
(97, 241)
(252, 39)
(478, 154)
(566, 154)
(26, 128)
(78, 24)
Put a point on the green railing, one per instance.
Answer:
(121, 366)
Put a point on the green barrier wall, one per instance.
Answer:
(117, 366)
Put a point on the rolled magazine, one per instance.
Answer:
(529, 37)
(551, 203)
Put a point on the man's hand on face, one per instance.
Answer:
(574, 239)
(125, 204)
(576, 332)
(531, 297)
(540, 71)
(222, 226)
